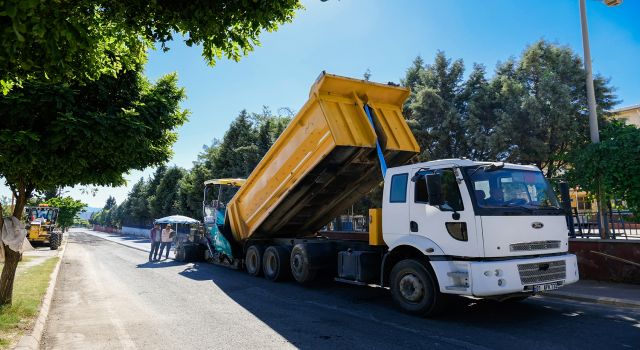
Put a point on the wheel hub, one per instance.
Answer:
(411, 288)
(297, 263)
(271, 265)
(252, 262)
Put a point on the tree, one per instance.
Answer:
(76, 40)
(97, 131)
(152, 186)
(481, 103)
(433, 110)
(111, 202)
(246, 141)
(69, 208)
(615, 160)
(544, 109)
(190, 189)
(136, 206)
(164, 201)
(533, 110)
(238, 148)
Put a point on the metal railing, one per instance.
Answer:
(622, 224)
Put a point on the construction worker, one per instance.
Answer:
(154, 236)
(165, 240)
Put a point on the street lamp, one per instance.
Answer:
(591, 100)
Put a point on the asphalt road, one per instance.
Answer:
(109, 297)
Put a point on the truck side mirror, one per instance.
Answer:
(434, 188)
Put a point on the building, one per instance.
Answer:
(630, 114)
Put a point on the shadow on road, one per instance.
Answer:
(312, 315)
(159, 264)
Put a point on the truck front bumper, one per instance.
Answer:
(495, 278)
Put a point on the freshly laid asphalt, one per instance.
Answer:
(108, 296)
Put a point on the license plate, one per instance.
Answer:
(545, 287)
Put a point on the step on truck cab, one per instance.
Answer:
(446, 227)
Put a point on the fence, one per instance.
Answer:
(621, 224)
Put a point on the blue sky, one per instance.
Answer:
(346, 37)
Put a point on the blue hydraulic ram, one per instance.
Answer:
(383, 163)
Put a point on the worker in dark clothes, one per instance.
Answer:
(154, 236)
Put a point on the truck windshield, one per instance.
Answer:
(511, 188)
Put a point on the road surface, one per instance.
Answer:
(109, 297)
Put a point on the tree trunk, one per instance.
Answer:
(11, 258)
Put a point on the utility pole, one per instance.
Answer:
(593, 116)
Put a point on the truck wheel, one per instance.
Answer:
(300, 265)
(415, 290)
(54, 240)
(253, 260)
(275, 263)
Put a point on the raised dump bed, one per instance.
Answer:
(324, 160)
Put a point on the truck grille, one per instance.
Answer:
(540, 245)
(542, 272)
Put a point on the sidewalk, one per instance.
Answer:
(619, 294)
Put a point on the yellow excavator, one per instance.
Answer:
(41, 226)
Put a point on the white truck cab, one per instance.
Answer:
(486, 229)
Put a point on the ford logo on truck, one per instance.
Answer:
(537, 224)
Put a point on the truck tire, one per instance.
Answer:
(300, 265)
(54, 240)
(275, 263)
(415, 290)
(253, 260)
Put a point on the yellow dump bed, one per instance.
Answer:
(324, 160)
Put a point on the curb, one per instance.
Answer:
(593, 299)
(32, 340)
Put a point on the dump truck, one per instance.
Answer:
(446, 227)
(40, 223)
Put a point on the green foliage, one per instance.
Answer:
(78, 221)
(544, 107)
(533, 110)
(433, 109)
(171, 191)
(244, 144)
(136, 206)
(111, 202)
(69, 208)
(62, 135)
(85, 39)
(615, 160)
(164, 200)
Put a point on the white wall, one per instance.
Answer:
(138, 232)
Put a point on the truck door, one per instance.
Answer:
(452, 225)
(395, 199)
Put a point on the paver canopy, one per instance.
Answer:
(176, 219)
